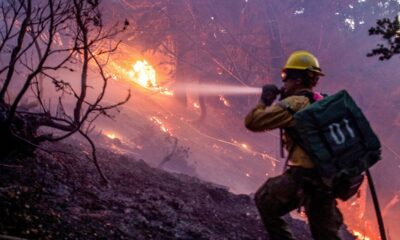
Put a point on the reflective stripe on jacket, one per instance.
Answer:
(263, 118)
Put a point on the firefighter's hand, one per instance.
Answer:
(269, 94)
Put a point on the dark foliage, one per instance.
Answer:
(390, 32)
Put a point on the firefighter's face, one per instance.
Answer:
(290, 84)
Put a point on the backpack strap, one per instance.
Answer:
(307, 94)
(290, 130)
(286, 106)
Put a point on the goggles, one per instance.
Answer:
(287, 74)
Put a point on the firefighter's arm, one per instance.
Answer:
(262, 118)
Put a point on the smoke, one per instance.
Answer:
(214, 89)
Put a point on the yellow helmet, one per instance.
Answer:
(303, 60)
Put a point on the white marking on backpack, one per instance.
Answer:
(340, 138)
(349, 128)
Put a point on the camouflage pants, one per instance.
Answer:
(298, 187)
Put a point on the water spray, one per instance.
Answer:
(215, 90)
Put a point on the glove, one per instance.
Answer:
(269, 94)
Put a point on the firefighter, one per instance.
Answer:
(300, 184)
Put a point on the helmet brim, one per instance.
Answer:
(317, 71)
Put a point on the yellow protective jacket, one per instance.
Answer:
(263, 118)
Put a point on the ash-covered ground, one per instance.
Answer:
(60, 196)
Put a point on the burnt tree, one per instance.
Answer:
(42, 42)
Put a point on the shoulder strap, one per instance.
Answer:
(307, 94)
(290, 130)
(286, 106)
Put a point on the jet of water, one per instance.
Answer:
(214, 89)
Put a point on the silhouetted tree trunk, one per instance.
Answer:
(180, 71)
(276, 51)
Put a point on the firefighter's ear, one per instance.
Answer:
(314, 82)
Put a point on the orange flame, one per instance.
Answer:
(354, 215)
(360, 236)
(143, 74)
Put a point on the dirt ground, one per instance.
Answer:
(59, 196)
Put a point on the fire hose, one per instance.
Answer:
(376, 206)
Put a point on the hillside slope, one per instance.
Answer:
(59, 196)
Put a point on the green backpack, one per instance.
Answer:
(338, 138)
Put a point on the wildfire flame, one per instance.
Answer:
(143, 74)
(360, 236)
(354, 215)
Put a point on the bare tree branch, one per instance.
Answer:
(16, 50)
(94, 157)
(51, 37)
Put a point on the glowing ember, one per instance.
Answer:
(247, 174)
(196, 105)
(143, 74)
(360, 236)
(303, 214)
(160, 124)
(245, 146)
(111, 135)
(167, 92)
(222, 99)
(273, 163)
